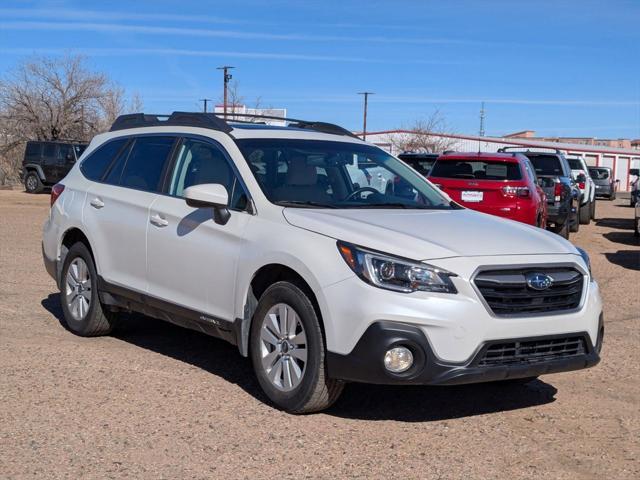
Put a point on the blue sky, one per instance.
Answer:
(559, 67)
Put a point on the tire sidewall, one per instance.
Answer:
(26, 183)
(285, 292)
(81, 327)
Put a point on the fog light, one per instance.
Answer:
(398, 359)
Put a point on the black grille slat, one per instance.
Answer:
(532, 351)
(506, 291)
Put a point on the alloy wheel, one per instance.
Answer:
(78, 289)
(283, 347)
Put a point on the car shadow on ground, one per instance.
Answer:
(625, 258)
(359, 401)
(618, 223)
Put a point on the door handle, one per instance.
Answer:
(97, 203)
(158, 221)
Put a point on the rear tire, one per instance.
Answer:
(584, 213)
(289, 360)
(637, 229)
(32, 183)
(83, 312)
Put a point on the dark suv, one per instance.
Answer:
(554, 176)
(46, 163)
(421, 162)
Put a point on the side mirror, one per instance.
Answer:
(210, 195)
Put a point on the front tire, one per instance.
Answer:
(288, 351)
(32, 183)
(83, 312)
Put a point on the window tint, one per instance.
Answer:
(200, 162)
(33, 149)
(95, 165)
(49, 150)
(575, 164)
(476, 169)
(115, 171)
(547, 165)
(599, 173)
(65, 150)
(145, 163)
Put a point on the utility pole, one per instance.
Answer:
(481, 132)
(226, 77)
(205, 100)
(366, 103)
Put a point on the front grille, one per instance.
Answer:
(531, 351)
(506, 291)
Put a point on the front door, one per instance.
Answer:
(192, 260)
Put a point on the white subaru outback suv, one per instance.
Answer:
(259, 235)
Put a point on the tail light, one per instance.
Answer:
(522, 192)
(581, 185)
(557, 192)
(56, 191)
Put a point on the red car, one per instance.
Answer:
(501, 184)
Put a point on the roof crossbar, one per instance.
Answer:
(218, 122)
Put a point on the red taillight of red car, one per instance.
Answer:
(522, 192)
(557, 192)
(56, 191)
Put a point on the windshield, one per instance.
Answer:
(476, 169)
(316, 173)
(599, 173)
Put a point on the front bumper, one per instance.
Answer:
(365, 362)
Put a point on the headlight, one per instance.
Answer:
(585, 257)
(395, 273)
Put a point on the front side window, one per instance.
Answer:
(202, 162)
(323, 174)
(476, 170)
(94, 166)
(145, 164)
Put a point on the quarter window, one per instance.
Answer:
(95, 165)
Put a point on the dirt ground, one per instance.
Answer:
(156, 401)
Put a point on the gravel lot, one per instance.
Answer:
(156, 401)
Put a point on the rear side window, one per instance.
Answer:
(477, 170)
(146, 162)
(33, 149)
(49, 150)
(547, 165)
(95, 165)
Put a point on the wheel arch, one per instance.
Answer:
(265, 276)
(70, 237)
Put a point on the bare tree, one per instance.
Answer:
(237, 104)
(424, 136)
(53, 99)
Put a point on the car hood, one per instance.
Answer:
(429, 234)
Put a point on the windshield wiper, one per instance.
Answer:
(303, 204)
(386, 205)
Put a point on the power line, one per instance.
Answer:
(364, 121)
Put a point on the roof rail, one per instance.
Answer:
(218, 122)
(526, 148)
(182, 119)
(322, 127)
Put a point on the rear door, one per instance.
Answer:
(66, 159)
(117, 209)
(192, 260)
(50, 164)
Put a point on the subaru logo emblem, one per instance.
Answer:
(538, 281)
